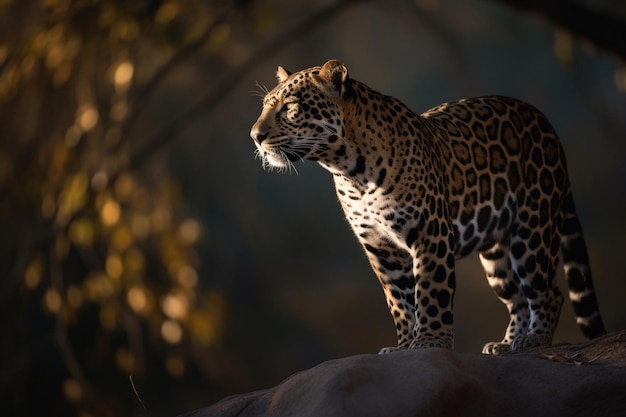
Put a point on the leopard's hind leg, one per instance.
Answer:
(534, 257)
(506, 284)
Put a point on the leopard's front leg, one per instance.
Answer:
(393, 267)
(419, 288)
(434, 293)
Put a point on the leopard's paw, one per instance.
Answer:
(387, 350)
(496, 348)
(530, 341)
(432, 342)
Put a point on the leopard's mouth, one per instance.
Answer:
(295, 154)
(275, 159)
(282, 156)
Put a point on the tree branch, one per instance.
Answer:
(228, 83)
(181, 54)
(606, 31)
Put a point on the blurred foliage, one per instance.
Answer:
(102, 255)
(103, 249)
(99, 261)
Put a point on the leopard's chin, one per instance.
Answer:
(276, 160)
(281, 157)
(273, 160)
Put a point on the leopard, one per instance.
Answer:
(483, 175)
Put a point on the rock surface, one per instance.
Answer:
(570, 380)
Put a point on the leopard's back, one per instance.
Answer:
(501, 155)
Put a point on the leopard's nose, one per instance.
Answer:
(257, 135)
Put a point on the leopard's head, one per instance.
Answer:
(302, 117)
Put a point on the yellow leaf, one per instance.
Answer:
(114, 266)
(189, 231)
(123, 75)
(167, 12)
(32, 275)
(620, 79)
(73, 197)
(187, 277)
(175, 306)
(171, 332)
(87, 116)
(137, 299)
(99, 286)
(52, 300)
(82, 232)
(203, 329)
(124, 187)
(175, 365)
(122, 239)
(110, 212)
(134, 261)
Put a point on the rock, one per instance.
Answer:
(571, 380)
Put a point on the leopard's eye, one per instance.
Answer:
(290, 110)
(290, 105)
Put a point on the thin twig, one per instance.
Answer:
(132, 384)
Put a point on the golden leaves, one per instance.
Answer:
(189, 231)
(86, 116)
(32, 274)
(117, 253)
(124, 29)
(114, 266)
(564, 46)
(110, 212)
(73, 196)
(171, 331)
(187, 277)
(139, 299)
(52, 300)
(123, 75)
(82, 232)
(57, 48)
(220, 35)
(167, 12)
(175, 305)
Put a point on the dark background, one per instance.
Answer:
(140, 237)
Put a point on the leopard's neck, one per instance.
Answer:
(381, 138)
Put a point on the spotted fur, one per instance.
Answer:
(484, 175)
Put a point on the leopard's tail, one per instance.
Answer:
(578, 273)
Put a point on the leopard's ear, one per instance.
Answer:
(335, 75)
(335, 72)
(282, 74)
